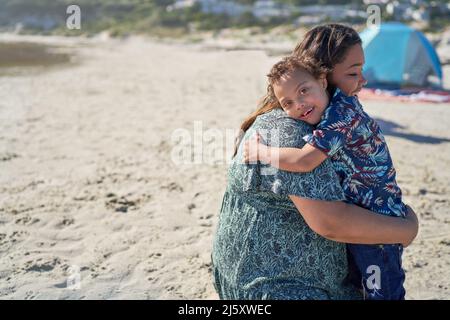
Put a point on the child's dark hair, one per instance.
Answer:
(327, 45)
(270, 102)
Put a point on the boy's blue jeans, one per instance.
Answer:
(380, 270)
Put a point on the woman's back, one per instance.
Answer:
(263, 249)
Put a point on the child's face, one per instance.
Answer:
(347, 75)
(302, 96)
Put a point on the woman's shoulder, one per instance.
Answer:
(277, 123)
(268, 118)
(279, 130)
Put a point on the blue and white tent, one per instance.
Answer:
(399, 56)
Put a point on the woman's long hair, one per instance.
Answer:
(327, 46)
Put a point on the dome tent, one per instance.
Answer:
(399, 56)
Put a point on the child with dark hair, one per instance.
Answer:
(318, 85)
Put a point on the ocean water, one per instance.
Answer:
(18, 57)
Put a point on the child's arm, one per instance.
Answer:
(305, 159)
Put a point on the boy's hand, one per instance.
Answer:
(254, 150)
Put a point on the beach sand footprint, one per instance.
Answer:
(27, 220)
(8, 156)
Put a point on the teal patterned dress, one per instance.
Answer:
(263, 249)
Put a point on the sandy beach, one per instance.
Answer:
(89, 189)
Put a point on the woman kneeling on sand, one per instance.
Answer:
(275, 227)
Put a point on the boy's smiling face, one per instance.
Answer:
(347, 75)
(302, 96)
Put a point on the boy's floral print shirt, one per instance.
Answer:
(358, 150)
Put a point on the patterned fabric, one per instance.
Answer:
(263, 249)
(360, 156)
